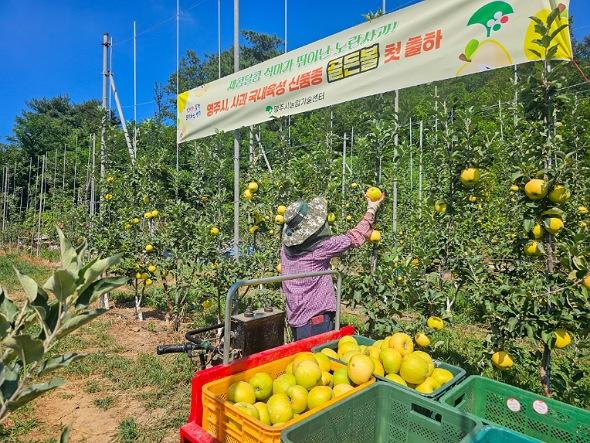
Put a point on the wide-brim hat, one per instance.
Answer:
(303, 219)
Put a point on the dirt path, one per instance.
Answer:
(76, 405)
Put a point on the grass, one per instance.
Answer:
(104, 403)
(92, 387)
(128, 431)
(8, 278)
(22, 424)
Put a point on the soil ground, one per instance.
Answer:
(104, 392)
(121, 390)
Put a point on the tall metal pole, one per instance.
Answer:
(435, 112)
(420, 166)
(343, 175)
(75, 170)
(92, 183)
(286, 40)
(4, 182)
(236, 135)
(286, 10)
(63, 175)
(515, 96)
(219, 38)
(105, 79)
(383, 7)
(411, 161)
(177, 66)
(134, 88)
(501, 119)
(41, 205)
(396, 143)
(54, 168)
(109, 108)
(29, 184)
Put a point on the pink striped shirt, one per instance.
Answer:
(309, 297)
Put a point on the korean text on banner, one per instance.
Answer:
(432, 40)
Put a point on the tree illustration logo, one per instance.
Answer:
(492, 16)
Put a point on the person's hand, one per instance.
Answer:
(372, 206)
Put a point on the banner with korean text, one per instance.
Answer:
(429, 41)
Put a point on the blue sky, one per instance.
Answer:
(53, 47)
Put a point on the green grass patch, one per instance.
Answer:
(92, 386)
(128, 431)
(22, 423)
(104, 403)
(8, 278)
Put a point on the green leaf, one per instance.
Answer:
(540, 29)
(7, 308)
(79, 320)
(512, 321)
(553, 212)
(34, 391)
(81, 250)
(579, 262)
(28, 284)
(9, 377)
(65, 435)
(62, 283)
(58, 362)
(547, 337)
(537, 20)
(68, 253)
(97, 269)
(99, 288)
(537, 53)
(470, 48)
(553, 15)
(29, 349)
(529, 332)
(557, 31)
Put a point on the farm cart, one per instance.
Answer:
(253, 335)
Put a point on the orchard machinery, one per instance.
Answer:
(243, 333)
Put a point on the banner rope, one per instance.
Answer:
(584, 76)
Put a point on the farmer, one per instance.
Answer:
(309, 247)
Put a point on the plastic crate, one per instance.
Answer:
(191, 431)
(458, 373)
(383, 413)
(522, 411)
(490, 434)
(218, 413)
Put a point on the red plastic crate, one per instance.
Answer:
(192, 431)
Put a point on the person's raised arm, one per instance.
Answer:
(354, 238)
(360, 233)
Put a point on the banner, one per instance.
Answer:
(429, 41)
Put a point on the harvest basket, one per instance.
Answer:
(228, 423)
(385, 414)
(522, 411)
(458, 373)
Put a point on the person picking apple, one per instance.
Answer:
(308, 246)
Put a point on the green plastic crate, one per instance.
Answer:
(491, 434)
(522, 411)
(382, 413)
(458, 373)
